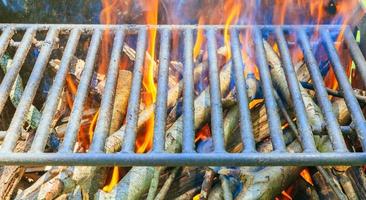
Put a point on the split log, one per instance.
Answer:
(207, 183)
(127, 187)
(164, 190)
(120, 99)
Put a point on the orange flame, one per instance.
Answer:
(203, 134)
(305, 174)
(232, 8)
(279, 12)
(144, 141)
(83, 136)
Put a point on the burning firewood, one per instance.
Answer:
(121, 99)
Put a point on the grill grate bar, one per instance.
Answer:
(30, 90)
(356, 54)
(75, 117)
(162, 93)
(54, 93)
(246, 128)
(188, 94)
(5, 39)
(134, 101)
(215, 93)
(106, 107)
(16, 65)
(293, 84)
(267, 88)
(321, 94)
(346, 88)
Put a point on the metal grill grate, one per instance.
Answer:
(127, 157)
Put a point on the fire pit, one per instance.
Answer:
(97, 96)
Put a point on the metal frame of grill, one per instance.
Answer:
(157, 157)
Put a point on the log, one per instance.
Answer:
(189, 194)
(187, 179)
(164, 190)
(127, 187)
(121, 99)
(270, 181)
(343, 115)
(358, 178)
(226, 189)
(324, 190)
(154, 184)
(345, 182)
(207, 183)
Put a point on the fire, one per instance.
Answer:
(83, 136)
(203, 134)
(233, 12)
(279, 12)
(232, 8)
(250, 65)
(144, 141)
(199, 39)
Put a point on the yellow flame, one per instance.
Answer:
(149, 98)
(199, 39)
(114, 180)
